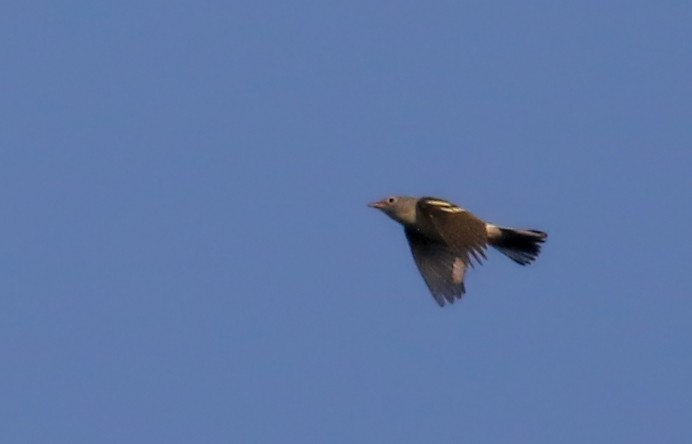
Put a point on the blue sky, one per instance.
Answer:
(187, 255)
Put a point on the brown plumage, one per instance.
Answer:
(445, 239)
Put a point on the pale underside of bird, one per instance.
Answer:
(445, 239)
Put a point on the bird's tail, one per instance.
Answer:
(522, 246)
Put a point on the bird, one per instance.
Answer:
(445, 239)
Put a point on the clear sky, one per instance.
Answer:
(187, 255)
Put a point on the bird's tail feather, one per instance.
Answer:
(522, 246)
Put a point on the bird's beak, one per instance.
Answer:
(379, 205)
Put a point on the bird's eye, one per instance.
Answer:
(391, 200)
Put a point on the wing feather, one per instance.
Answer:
(465, 234)
(442, 270)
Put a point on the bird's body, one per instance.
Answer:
(444, 239)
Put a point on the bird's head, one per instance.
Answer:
(400, 208)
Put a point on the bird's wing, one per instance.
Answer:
(441, 269)
(464, 233)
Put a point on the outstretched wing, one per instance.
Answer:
(464, 233)
(442, 270)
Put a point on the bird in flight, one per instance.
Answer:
(444, 239)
